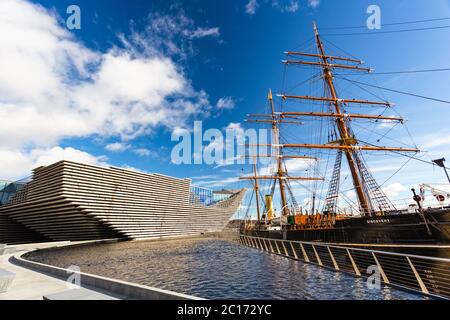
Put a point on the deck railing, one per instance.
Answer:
(422, 274)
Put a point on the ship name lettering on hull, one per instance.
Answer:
(379, 221)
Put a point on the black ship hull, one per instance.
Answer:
(401, 232)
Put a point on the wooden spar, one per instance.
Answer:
(270, 121)
(261, 115)
(281, 156)
(288, 115)
(345, 147)
(327, 65)
(387, 104)
(342, 115)
(294, 53)
(339, 147)
(256, 191)
(272, 106)
(279, 116)
(282, 178)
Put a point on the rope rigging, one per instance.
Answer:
(334, 134)
(389, 24)
(388, 32)
(396, 91)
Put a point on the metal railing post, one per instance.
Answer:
(293, 250)
(304, 253)
(383, 275)
(284, 247)
(355, 267)
(247, 241)
(276, 245)
(418, 278)
(260, 245)
(319, 261)
(255, 243)
(271, 247)
(265, 245)
(332, 259)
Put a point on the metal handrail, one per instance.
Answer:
(363, 250)
(424, 274)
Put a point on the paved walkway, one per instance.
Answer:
(30, 285)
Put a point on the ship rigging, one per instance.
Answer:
(342, 139)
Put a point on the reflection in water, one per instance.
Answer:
(214, 269)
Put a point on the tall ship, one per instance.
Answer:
(371, 219)
(74, 201)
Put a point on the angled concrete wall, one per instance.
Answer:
(72, 201)
(12, 232)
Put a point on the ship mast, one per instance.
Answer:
(278, 155)
(367, 190)
(346, 139)
(256, 191)
(280, 176)
(371, 198)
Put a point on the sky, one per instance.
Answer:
(114, 91)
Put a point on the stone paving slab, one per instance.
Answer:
(78, 294)
(31, 285)
(6, 279)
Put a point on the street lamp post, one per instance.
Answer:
(440, 163)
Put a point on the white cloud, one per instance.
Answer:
(393, 190)
(226, 103)
(298, 165)
(220, 182)
(124, 96)
(205, 32)
(290, 7)
(117, 147)
(207, 176)
(227, 162)
(293, 166)
(171, 34)
(436, 141)
(283, 6)
(385, 168)
(53, 87)
(17, 164)
(219, 144)
(313, 3)
(143, 152)
(351, 195)
(251, 6)
(236, 127)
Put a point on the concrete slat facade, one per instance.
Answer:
(73, 201)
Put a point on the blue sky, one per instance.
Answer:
(215, 63)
